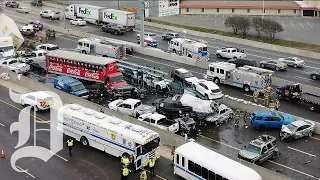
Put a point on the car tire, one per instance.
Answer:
(216, 80)
(115, 32)
(83, 52)
(84, 141)
(277, 68)
(310, 134)
(218, 55)
(163, 38)
(314, 77)
(22, 103)
(206, 97)
(295, 66)
(246, 88)
(262, 65)
(261, 128)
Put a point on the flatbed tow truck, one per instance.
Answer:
(294, 93)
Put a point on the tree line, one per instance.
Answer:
(242, 25)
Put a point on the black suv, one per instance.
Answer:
(171, 108)
(243, 62)
(183, 76)
(36, 3)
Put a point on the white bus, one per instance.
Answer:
(195, 162)
(109, 134)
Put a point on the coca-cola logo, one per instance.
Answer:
(55, 68)
(111, 66)
(92, 75)
(73, 71)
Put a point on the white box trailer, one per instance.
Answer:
(89, 13)
(119, 17)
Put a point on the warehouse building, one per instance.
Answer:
(270, 8)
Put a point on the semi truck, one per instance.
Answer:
(8, 28)
(101, 15)
(6, 47)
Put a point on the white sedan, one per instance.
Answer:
(208, 89)
(40, 100)
(23, 10)
(79, 22)
(293, 61)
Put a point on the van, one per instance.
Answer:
(36, 3)
(71, 86)
(243, 62)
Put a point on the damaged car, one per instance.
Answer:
(296, 130)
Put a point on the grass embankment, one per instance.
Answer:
(279, 42)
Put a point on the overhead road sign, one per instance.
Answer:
(168, 8)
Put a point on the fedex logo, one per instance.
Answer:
(110, 16)
(84, 11)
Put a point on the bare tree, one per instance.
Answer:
(233, 22)
(257, 24)
(244, 25)
(271, 27)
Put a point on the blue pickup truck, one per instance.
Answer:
(71, 86)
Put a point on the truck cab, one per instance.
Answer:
(289, 91)
(71, 86)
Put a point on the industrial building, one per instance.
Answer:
(270, 8)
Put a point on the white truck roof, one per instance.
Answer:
(223, 65)
(131, 101)
(118, 11)
(140, 134)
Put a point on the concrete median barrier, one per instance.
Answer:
(167, 139)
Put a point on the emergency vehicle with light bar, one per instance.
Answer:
(189, 48)
(109, 134)
(247, 77)
(40, 100)
(90, 68)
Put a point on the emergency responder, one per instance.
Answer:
(237, 117)
(70, 145)
(255, 96)
(172, 153)
(143, 174)
(277, 104)
(152, 162)
(131, 159)
(125, 173)
(244, 116)
(272, 105)
(125, 161)
(266, 98)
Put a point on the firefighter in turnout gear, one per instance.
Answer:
(245, 117)
(70, 145)
(143, 174)
(272, 105)
(255, 96)
(152, 163)
(237, 117)
(277, 104)
(266, 98)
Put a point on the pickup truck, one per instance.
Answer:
(113, 28)
(14, 66)
(160, 121)
(230, 53)
(131, 107)
(39, 55)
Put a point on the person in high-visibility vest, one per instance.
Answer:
(152, 162)
(255, 96)
(272, 105)
(125, 173)
(143, 174)
(266, 98)
(125, 161)
(70, 145)
(277, 104)
(237, 117)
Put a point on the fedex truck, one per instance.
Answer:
(89, 13)
(119, 17)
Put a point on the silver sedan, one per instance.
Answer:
(297, 129)
(23, 10)
(293, 61)
(274, 64)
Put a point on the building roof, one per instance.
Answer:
(240, 4)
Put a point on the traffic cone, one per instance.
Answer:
(2, 154)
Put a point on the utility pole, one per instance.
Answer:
(118, 4)
(142, 7)
(262, 9)
(64, 14)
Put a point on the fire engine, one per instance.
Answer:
(189, 48)
(99, 47)
(90, 68)
(247, 77)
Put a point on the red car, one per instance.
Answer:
(12, 4)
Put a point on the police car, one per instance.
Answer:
(40, 100)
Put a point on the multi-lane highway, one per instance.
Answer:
(296, 75)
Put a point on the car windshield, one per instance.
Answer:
(53, 48)
(253, 149)
(281, 116)
(117, 79)
(292, 127)
(162, 120)
(7, 48)
(77, 88)
(150, 146)
(187, 75)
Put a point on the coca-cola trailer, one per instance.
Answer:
(87, 67)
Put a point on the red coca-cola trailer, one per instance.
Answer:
(86, 67)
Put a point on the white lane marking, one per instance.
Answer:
(295, 170)
(303, 78)
(305, 72)
(2, 124)
(300, 24)
(25, 171)
(292, 24)
(301, 151)
(283, 24)
(309, 24)
(215, 22)
(59, 156)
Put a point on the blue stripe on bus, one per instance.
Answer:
(189, 172)
(96, 136)
(255, 87)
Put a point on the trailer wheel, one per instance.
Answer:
(246, 88)
(84, 52)
(84, 141)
